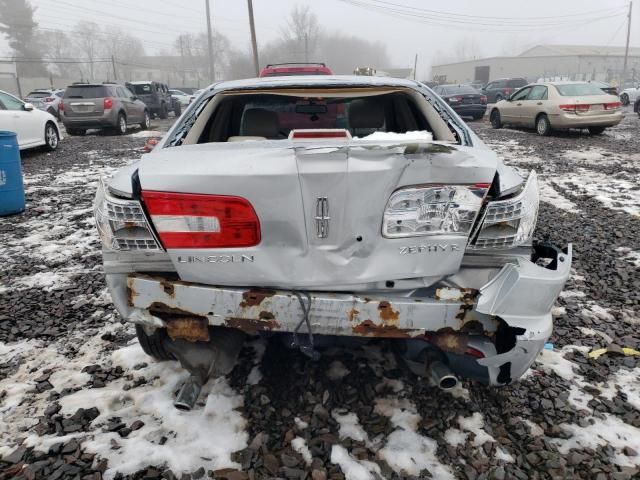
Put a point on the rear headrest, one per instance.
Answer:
(258, 122)
(366, 113)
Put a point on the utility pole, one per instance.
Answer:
(184, 81)
(626, 48)
(254, 43)
(306, 47)
(212, 73)
(113, 65)
(415, 66)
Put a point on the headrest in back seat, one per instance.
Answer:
(366, 113)
(259, 122)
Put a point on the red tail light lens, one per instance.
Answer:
(508, 91)
(49, 99)
(576, 108)
(185, 220)
(483, 99)
(319, 134)
(612, 105)
(61, 106)
(108, 103)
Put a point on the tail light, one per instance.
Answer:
(455, 99)
(612, 105)
(508, 91)
(49, 99)
(121, 223)
(108, 103)
(315, 134)
(576, 108)
(509, 223)
(432, 210)
(185, 220)
(61, 106)
(483, 99)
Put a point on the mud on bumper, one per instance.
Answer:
(507, 320)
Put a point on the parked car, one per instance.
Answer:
(630, 95)
(47, 100)
(101, 106)
(195, 94)
(34, 128)
(182, 97)
(478, 84)
(465, 100)
(500, 89)
(284, 69)
(156, 96)
(605, 87)
(187, 90)
(558, 106)
(636, 106)
(234, 225)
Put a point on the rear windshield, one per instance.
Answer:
(462, 89)
(517, 83)
(141, 89)
(86, 91)
(38, 94)
(578, 89)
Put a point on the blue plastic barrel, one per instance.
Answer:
(11, 186)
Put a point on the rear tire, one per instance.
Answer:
(76, 131)
(477, 116)
(177, 111)
(164, 114)
(596, 130)
(121, 126)
(624, 99)
(146, 122)
(51, 136)
(153, 344)
(494, 118)
(543, 126)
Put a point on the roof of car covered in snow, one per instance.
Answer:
(316, 81)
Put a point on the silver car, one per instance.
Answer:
(102, 106)
(47, 100)
(316, 208)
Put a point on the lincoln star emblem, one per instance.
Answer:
(322, 217)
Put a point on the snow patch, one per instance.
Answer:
(300, 446)
(337, 370)
(352, 468)
(350, 426)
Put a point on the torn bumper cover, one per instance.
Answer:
(512, 311)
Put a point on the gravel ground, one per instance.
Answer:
(78, 398)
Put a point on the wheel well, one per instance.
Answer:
(539, 115)
(49, 122)
(123, 113)
(494, 109)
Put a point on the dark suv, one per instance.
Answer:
(500, 89)
(156, 96)
(87, 105)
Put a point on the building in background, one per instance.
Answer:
(548, 62)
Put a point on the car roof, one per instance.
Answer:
(316, 81)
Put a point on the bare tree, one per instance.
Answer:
(466, 49)
(87, 39)
(58, 49)
(301, 33)
(125, 49)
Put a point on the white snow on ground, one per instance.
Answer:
(406, 451)
(614, 193)
(607, 431)
(474, 425)
(350, 426)
(595, 333)
(300, 446)
(630, 255)
(550, 195)
(337, 370)
(351, 468)
(147, 133)
(626, 381)
(301, 424)
(535, 429)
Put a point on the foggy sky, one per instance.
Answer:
(161, 20)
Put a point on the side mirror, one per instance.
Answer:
(134, 98)
(28, 107)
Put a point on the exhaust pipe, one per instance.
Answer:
(188, 394)
(442, 376)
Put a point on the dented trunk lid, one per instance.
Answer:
(296, 188)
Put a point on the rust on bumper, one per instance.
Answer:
(255, 310)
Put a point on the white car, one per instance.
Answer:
(630, 95)
(35, 128)
(183, 98)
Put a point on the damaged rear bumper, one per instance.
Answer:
(507, 320)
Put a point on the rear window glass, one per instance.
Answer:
(462, 89)
(38, 94)
(517, 83)
(578, 89)
(141, 89)
(85, 91)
